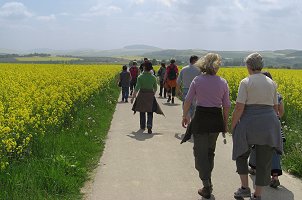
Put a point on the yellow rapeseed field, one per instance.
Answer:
(289, 85)
(35, 97)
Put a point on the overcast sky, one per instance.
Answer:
(177, 24)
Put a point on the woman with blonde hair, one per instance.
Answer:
(211, 93)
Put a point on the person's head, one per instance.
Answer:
(124, 67)
(134, 62)
(148, 66)
(193, 59)
(209, 64)
(146, 60)
(172, 61)
(268, 75)
(254, 62)
(163, 64)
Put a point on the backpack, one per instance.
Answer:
(134, 72)
(172, 73)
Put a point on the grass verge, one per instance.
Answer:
(60, 161)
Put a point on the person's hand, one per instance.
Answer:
(132, 99)
(185, 121)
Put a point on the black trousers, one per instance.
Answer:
(132, 85)
(162, 89)
(173, 91)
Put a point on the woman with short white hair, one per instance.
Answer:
(255, 122)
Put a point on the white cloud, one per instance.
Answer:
(46, 18)
(168, 3)
(14, 10)
(138, 1)
(101, 10)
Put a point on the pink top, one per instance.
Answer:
(209, 91)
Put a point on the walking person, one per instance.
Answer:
(186, 76)
(161, 74)
(141, 67)
(255, 122)
(211, 117)
(170, 80)
(134, 72)
(124, 83)
(276, 160)
(145, 101)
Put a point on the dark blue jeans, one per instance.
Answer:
(125, 93)
(143, 120)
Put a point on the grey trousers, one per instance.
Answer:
(204, 153)
(264, 155)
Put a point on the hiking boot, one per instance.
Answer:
(255, 198)
(172, 100)
(274, 183)
(149, 130)
(205, 192)
(241, 193)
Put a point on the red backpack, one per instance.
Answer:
(134, 72)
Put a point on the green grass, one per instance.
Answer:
(45, 59)
(292, 158)
(60, 161)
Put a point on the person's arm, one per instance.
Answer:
(154, 85)
(133, 96)
(226, 104)
(185, 120)
(178, 83)
(281, 109)
(136, 89)
(189, 98)
(239, 108)
(226, 111)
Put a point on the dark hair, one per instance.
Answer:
(172, 61)
(268, 75)
(148, 66)
(163, 64)
(145, 59)
(124, 67)
(193, 58)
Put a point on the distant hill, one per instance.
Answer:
(278, 58)
(142, 46)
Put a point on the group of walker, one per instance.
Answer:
(255, 127)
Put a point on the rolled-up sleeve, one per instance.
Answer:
(242, 93)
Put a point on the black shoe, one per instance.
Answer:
(172, 100)
(149, 130)
(169, 99)
(205, 192)
(126, 100)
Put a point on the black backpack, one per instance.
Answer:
(172, 73)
